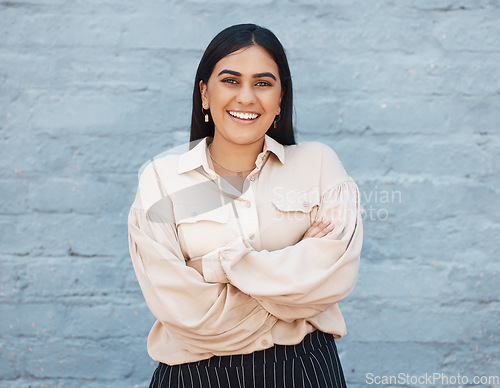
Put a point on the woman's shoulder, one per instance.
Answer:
(309, 146)
(152, 175)
(151, 170)
(306, 145)
(317, 156)
(313, 150)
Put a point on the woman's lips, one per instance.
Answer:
(245, 117)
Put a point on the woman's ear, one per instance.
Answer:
(203, 91)
(281, 98)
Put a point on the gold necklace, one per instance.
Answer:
(238, 172)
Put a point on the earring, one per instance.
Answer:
(276, 120)
(206, 115)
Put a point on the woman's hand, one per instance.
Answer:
(321, 227)
(195, 263)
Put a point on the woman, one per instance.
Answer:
(244, 245)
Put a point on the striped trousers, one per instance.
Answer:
(313, 363)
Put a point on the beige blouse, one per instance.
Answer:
(261, 285)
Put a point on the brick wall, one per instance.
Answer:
(407, 93)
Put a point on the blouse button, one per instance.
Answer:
(306, 204)
(251, 236)
(249, 204)
(252, 178)
(264, 342)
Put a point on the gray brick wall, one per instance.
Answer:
(407, 93)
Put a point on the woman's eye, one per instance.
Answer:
(234, 81)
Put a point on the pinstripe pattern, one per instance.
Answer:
(313, 363)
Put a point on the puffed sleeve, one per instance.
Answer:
(304, 279)
(204, 317)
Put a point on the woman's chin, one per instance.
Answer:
(245, 136)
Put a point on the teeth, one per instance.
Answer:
(244, 116)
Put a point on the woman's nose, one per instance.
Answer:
(246, 94)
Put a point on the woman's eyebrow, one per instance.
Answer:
(238, 74)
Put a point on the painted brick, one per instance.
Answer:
(405, 92)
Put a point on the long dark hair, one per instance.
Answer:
(226, 42)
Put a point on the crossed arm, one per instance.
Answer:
(320, 228)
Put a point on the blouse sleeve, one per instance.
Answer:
(304, 279)
(203, 316)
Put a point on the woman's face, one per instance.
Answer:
(243, 94)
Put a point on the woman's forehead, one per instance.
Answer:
(252, 59)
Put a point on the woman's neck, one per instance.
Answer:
(231, 157)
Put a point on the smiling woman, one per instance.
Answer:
(243, 103)
(244, 245)
(243, 97)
